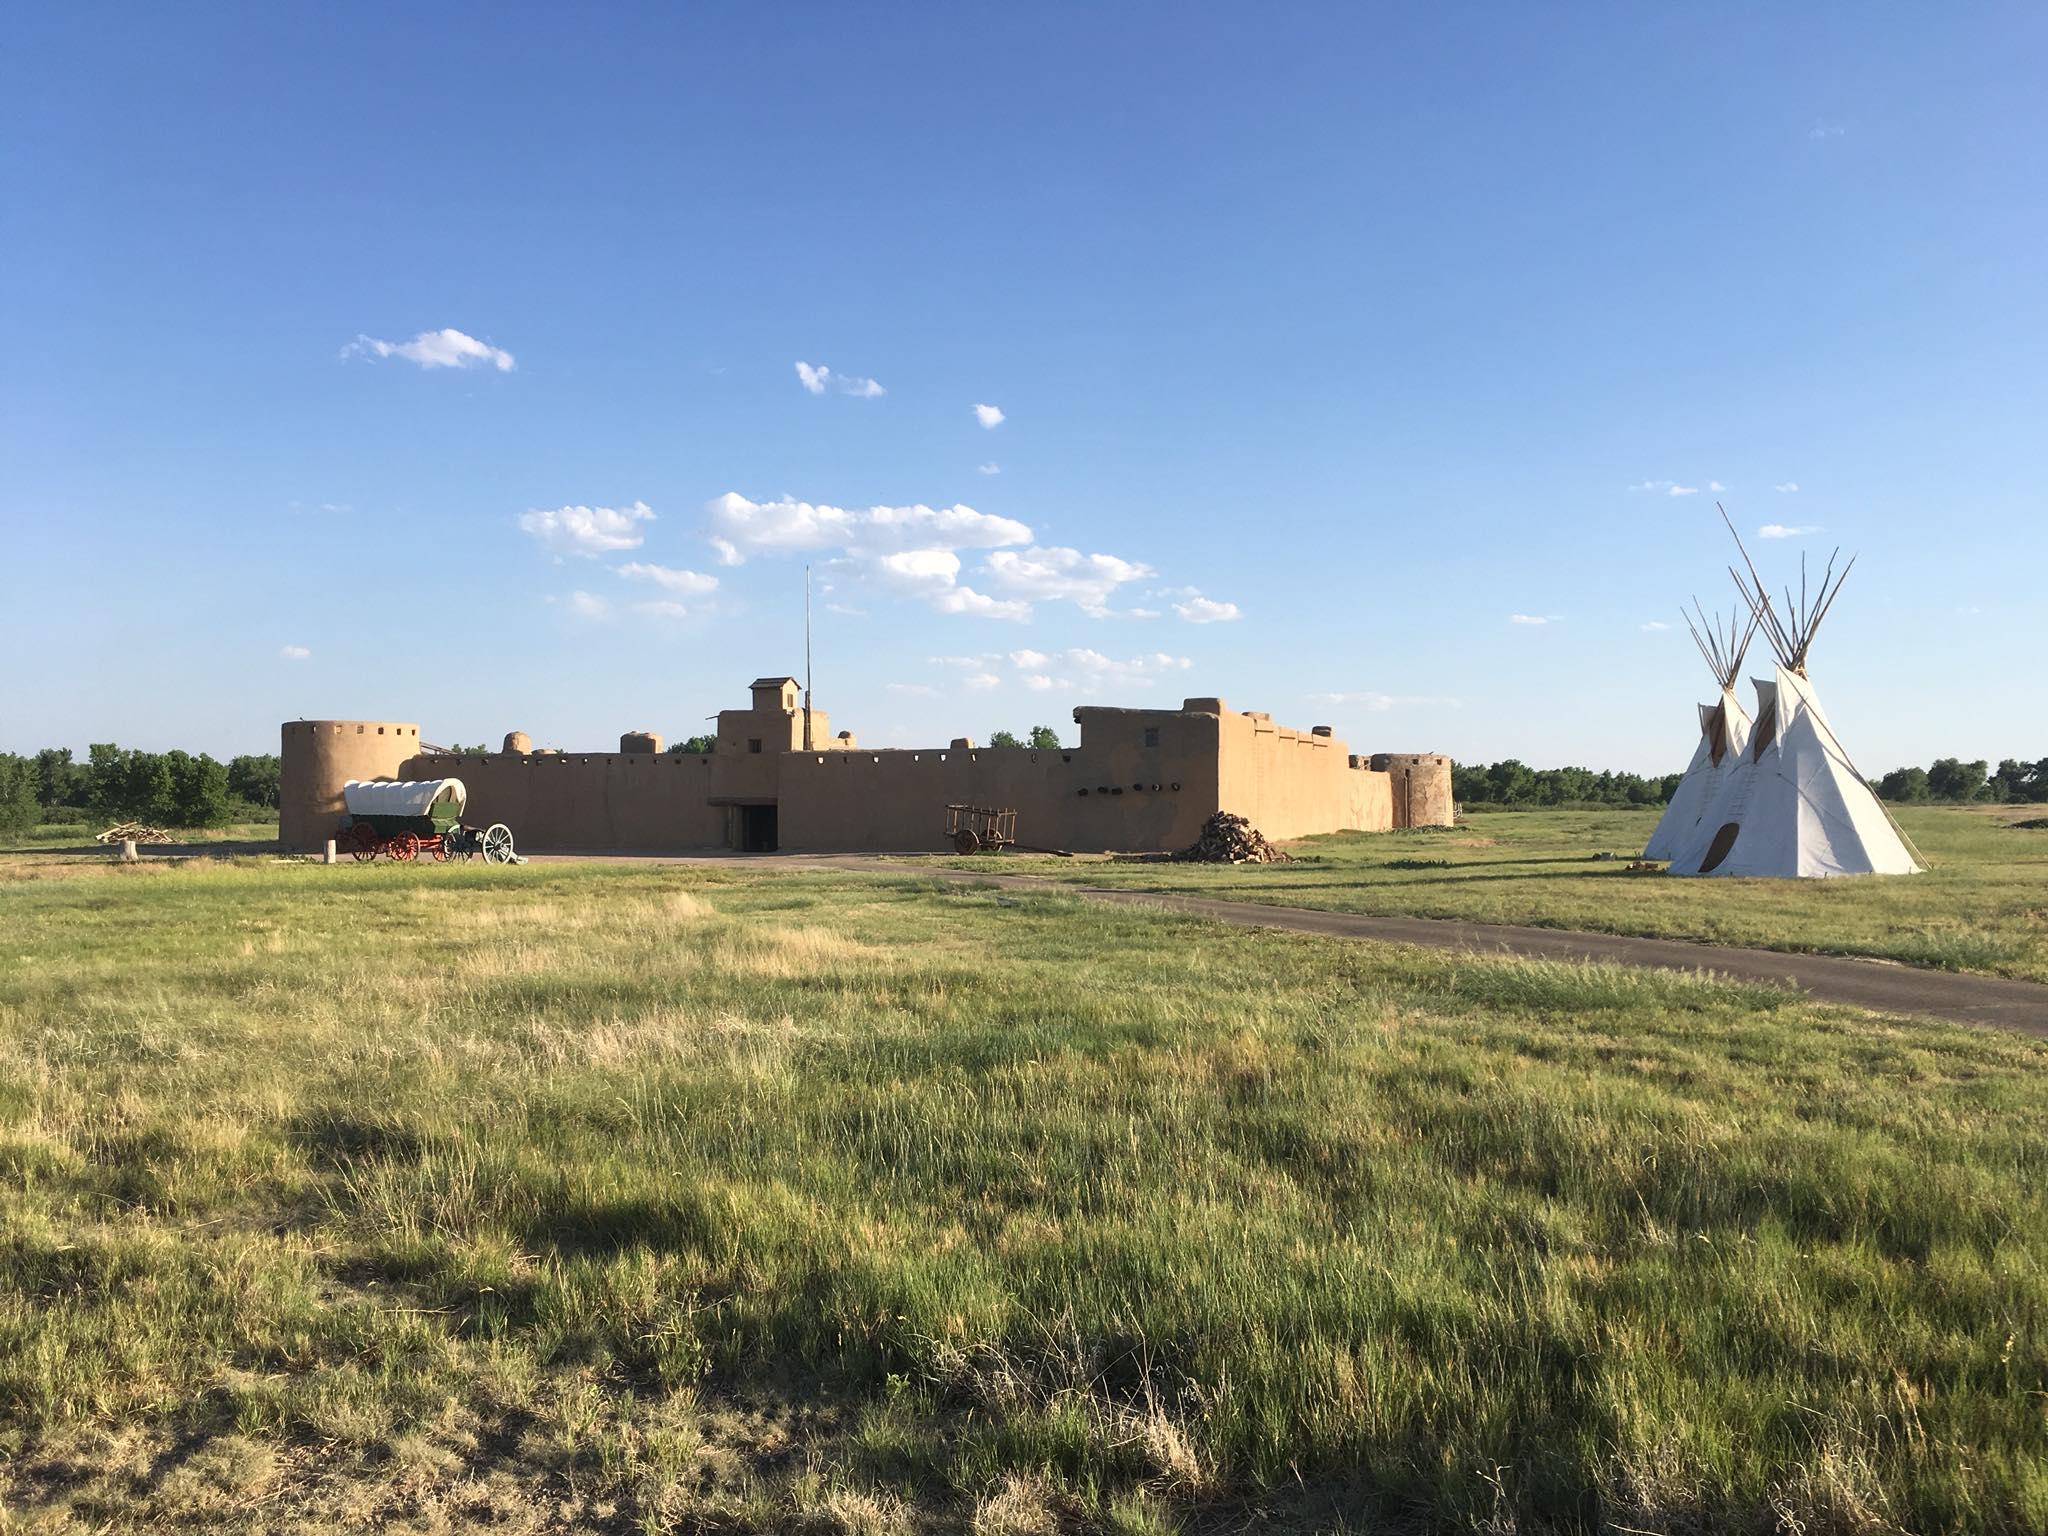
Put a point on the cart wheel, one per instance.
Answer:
(362, 843)
(964, 841)
(497, 843)
(441, 853)
(405, 847)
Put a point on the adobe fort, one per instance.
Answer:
(1141, 780)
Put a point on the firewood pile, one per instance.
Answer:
(133, 832)
(1228, 839)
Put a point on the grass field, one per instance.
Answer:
(1983, 905)
(697, 1198)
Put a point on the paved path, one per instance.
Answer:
(1884, 986)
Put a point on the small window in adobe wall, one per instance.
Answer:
(1151, 735)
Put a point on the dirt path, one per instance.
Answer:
(1881, 985)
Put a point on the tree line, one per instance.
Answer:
(1947, 781)
(114, 783)
(1950, 780)
(1513, 782)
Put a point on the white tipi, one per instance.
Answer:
(1724, 733)
(1794, 806)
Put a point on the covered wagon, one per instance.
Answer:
(404, 818)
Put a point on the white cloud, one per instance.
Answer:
(933, 575)
(846, 611)
(1028, 660)
(1052, 574)
(989, 416)
(1780, 531)
(295, 653)
(1672, 487)
(1715, 485)
(689, 583)
(587, 531)
(1683, 490)
(980, 682)
(446, 348)
(1826, 130)
(1090, 671)
(1141, 613)
(1203, 610)
(740, 527)
(662, 608)
(584, 605)
(1786, 487)
(1653, 626)
(1533, 618)
(815, 378)
(988, 469)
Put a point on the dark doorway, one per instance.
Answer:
(757, 829)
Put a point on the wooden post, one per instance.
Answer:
(127, 850)
(329, 859)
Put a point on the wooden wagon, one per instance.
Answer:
(980, 828)
(404, 818)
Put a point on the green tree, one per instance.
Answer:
(148, 790)
(199, 790)
(1903, 786)
(20, 805)
(255, 779)
(1950, 778)
(59, 781)
(1043, 738)
(696, 746)
(1004, 739)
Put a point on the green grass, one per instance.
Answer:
(430, 1198)
(1983, 905)
(50, 836)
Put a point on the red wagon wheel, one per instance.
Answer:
(439, 844)
(362, 843)
(405, 847)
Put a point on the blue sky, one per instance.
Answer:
(452, 367)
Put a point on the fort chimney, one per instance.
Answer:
(641, 741)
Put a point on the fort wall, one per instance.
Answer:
(317, 757)
(1137, 780)
(1291, 783)
(587, 801)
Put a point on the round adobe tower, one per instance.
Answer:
(317, 758)
(1421, 787)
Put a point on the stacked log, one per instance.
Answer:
(133, 832)
(1230, 839)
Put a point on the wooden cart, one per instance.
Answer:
(980, 828)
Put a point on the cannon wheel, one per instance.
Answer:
(404, 848)
(964, 841)
(457, 845)
(497, 843)
(362, 843)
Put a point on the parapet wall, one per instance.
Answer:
(1291, 783)
(317, 757)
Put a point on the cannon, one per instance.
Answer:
(404, 818)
